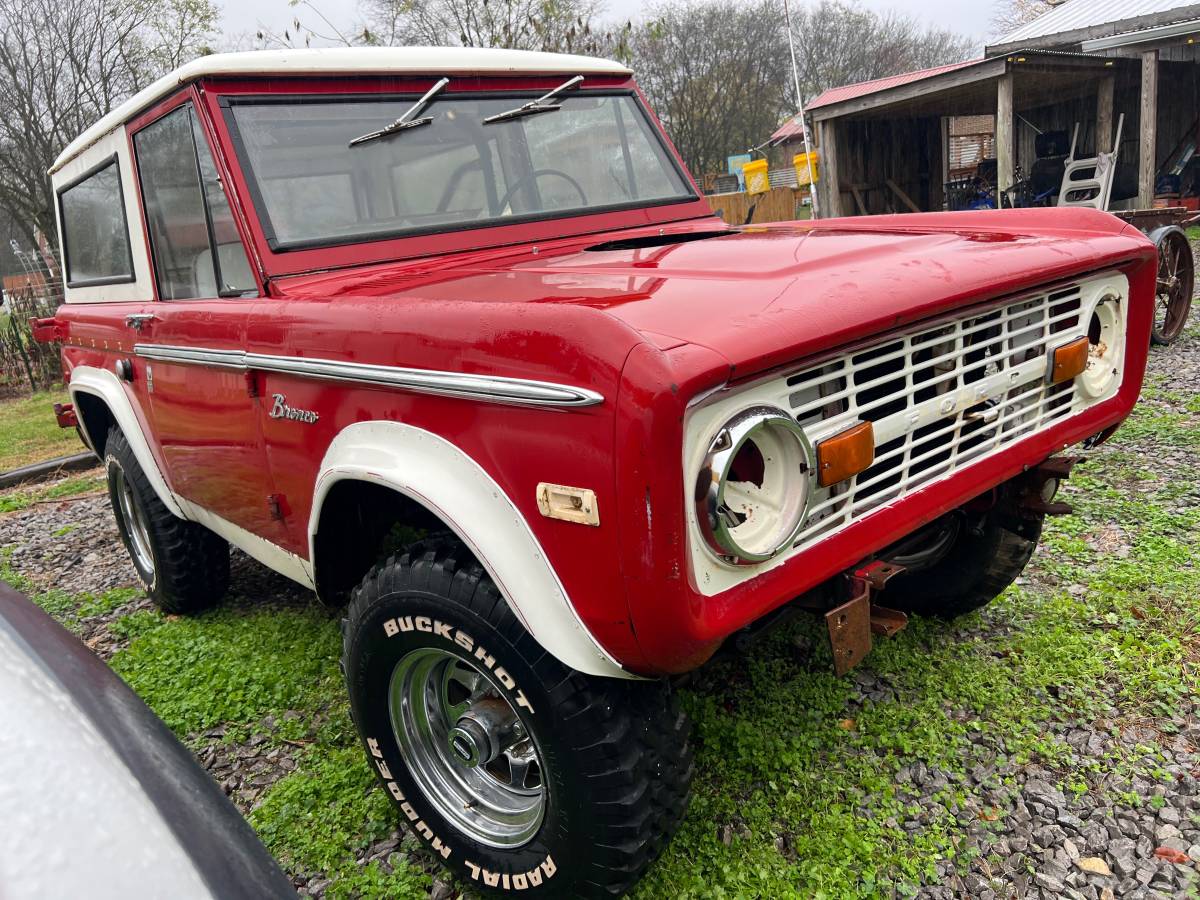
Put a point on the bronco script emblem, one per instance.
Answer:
(280, 410)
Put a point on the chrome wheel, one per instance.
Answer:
(135, 523)
(466, 748)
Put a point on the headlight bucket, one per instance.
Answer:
(1106, 342)
(753, 488)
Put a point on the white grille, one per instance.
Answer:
(939, 397)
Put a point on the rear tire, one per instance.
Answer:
(991, 549)
(183, 566)
(592, 776)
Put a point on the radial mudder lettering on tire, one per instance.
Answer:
(519, 773)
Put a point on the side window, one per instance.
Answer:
(197, 251)
(95, 233)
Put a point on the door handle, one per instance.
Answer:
(138, 321)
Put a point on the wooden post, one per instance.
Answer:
(1004, 135)
(829, 169)
(1148, 145)
(945, 134)
(1104, 114)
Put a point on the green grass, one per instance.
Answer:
(27, 495)
(29, 432)
(799, 791)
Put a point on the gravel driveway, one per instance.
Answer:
(1087, 823)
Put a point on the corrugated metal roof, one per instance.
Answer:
(1076, 14)
(863, 88)
(792, 128)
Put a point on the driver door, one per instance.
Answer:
(203, 411)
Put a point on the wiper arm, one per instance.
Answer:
(405, 121)
(533, 107)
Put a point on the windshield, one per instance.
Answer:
(313, 188)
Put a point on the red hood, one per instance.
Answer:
(764, 296)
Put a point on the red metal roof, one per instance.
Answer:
(792, 129)
(863, 88)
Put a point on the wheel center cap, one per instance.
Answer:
(469, 743)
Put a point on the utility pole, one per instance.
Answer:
(812, 184)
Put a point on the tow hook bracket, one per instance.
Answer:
(1048, 475)
(850, 630)
(852, 624)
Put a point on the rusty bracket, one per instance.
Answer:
(852, 624)
(850, 628)
(887, 621)
(877, 573)
(1057, 467)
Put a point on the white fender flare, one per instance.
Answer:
(441, 477)
(105, 385)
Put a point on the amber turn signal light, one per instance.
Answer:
(1069, 360)
(845, 454)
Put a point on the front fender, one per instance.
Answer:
(441, 477)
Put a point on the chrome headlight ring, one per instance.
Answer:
(754, 486)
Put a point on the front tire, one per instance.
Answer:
(988, 552)
(183, 566)
(521, 774)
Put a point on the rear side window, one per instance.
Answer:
(95, 233)
(197, 250)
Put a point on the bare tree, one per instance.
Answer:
(839, 42)
(63, 65)
(565, 26)
(1012, 14)
(716, 73)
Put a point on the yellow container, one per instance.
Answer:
(756, 177)
(802, 161)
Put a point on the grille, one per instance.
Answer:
(939, 398)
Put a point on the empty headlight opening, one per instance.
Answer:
(753, 488)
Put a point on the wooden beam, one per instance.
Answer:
(896, 189)
(1004, 134)
(1148, 143)
(945, 160)
(832, 206)
(1104, 114)
(979, 71)
(858, 200)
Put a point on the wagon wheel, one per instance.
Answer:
(1176, 281)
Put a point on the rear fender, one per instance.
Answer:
(105, 385)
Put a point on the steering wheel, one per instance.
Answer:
(534, 175)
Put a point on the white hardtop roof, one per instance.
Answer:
(344, 61)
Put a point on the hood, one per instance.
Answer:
(765, 296)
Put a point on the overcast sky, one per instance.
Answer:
(970, 17)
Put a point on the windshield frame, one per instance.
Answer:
(227, 101)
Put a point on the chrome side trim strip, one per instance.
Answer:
(488, 388)
(224, 359)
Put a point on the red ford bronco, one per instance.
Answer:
(451, 337)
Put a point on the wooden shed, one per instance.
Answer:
(887, 145)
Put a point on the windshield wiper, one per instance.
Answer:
(406, 121)
(533, 107)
